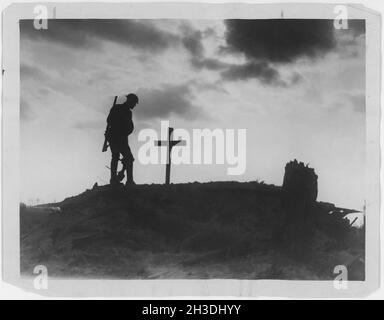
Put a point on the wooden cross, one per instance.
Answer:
(169, 144)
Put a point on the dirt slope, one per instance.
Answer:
(210, 230)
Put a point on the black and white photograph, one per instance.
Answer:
(212, 148)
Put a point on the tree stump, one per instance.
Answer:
(299, 194)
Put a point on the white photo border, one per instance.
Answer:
(165, 288)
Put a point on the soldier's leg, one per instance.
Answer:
(128, 163)
(114, 162)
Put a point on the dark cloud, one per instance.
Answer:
(351, 41)
(162, 102)
(208, 63)
(280, 40)
(357, 26)
(192, 41)
(261, 71)
(86, 32)
(209, 32)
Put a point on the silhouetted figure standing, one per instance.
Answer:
(119, 127)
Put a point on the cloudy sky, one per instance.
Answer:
(297, 86)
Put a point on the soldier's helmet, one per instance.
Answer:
(132, 99)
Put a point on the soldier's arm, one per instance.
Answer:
(109, 120)
(130, 123)
(109, 116)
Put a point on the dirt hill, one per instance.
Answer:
(215, 230)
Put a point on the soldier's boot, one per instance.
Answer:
(129, 170)
(114, 162)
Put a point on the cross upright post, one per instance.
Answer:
(169, 143)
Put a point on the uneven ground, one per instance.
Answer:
(221, 230)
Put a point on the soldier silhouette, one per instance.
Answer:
(119, 127)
